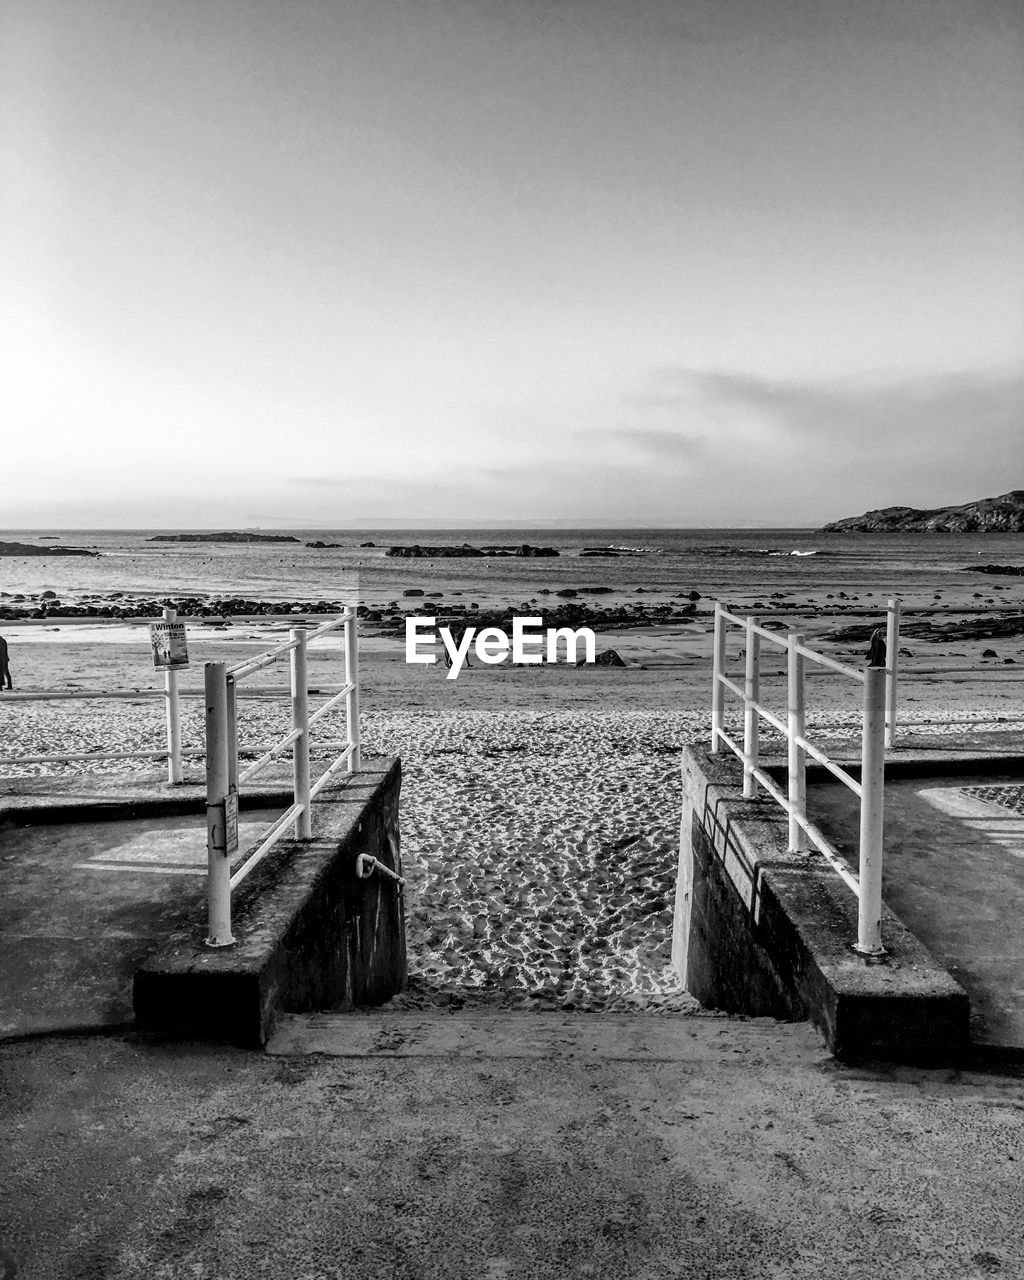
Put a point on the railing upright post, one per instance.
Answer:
(717, 670)
(872, 781)
(751, 695)
(173, 710)
(218, 860)
(300, 721)
(796, 732)
(232, 720)
(892, 651)
(352, 697)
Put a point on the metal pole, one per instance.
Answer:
(174, 774)
(796, 731)
(232, 723)
(218, 860)
(352, 697)
(300, 720)
(717, 670)
(892, 651)
(751, 724)
(872, 781)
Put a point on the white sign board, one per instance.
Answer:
(169, 647)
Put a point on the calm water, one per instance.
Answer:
(712, 561)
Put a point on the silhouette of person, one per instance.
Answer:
(876, 648)
(5, 666)
(457, 641)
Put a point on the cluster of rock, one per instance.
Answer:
(387, 618)
(987, 626)
(465, 551)
(1014, 570)
(1004, 514)
(31, 549)
(118, 605)
(391, 621)
(222, 537)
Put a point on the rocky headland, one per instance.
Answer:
(1004, 514)
(31, 549)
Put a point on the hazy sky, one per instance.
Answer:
(645, 261)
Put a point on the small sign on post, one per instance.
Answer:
(170, 650)
(231, 823)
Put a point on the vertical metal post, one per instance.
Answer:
(218, 860)
(872, 781)
(751, 723)
(232, 719)
(352, 697)
(796, 728)
(173, 709)
(300, 720)
(717, 670)
(892, 650)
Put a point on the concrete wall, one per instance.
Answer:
(763, 932)
(310, 934)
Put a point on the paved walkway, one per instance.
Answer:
(492, 1145)
(953, 871)
(84, 903)
(498, 1146)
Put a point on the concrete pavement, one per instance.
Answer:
(952, 872)
(503, 1145)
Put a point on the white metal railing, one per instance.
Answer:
(222, 774)
(172, 693)
(897, 673)
(879, 696)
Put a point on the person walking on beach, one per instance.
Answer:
(457, 641)
(5, 666)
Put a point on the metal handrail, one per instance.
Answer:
(869, 789)
(222, 773)
(268, 842)
(268, 756)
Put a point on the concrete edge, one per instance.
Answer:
(915, 764)
(152, 800)
(761, 931)
(310, 934)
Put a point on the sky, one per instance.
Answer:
(642, 262)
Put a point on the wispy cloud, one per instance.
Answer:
(660, 443)
(813, 448)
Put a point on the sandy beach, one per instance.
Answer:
(540, 805)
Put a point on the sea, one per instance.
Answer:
(730, 563)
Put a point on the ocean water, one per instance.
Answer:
(725, 562)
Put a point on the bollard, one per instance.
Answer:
(352, 697)
(795, 733)
(300, 721)
(717, 670)
(174, 774)
(872, 781)
(892, 647)
(218, 859)
(751, 694)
